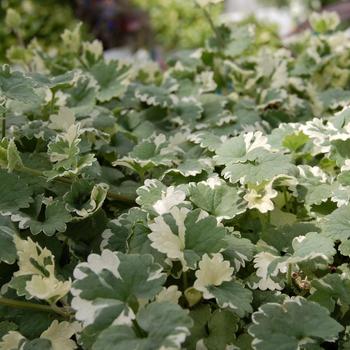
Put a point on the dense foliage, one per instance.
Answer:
(43, 21)
(309, 4)
(204, 207)
(177, 24)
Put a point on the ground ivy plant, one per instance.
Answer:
(202, 207)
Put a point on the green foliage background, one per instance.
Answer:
(178, 23)
(43, 20)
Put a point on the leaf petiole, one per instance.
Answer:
(32, 306)
(3, 125)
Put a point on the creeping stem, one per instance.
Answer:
(32, 306)
(3, 125)
(214, 28)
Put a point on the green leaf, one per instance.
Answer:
(233, 150)
(12, 19)
(153, 95)
(263, 168)
(345, 341)
(311, 246)
(10, 158)
(38, 344)
(65, 153)
(324, 22)
(344, 248)
(55, 219)
(337, 224)
(15, 192)
(22, 318)
(244, 342)
(111, 78)
(106, 311)
(157, 199)
(234, 296)
(239, 251)
(215, 330)
(282, 237)
(118, 231)
(217, 198)
(206, 140)
(334, 97)
(62, 120)
(200, 317)
(8, 252)
(340, 151)
(114, 277)
(330, 290)
(85, 199)
(18, 88)
(160, 326)
(185, 235)
(13, 157)
(6, 326)
(188, 109)
(222, 328)
(152, 152)
(295, 141)
(82, 96)
(272, 97)
(191, 167)
(240, 40)
(295, 323)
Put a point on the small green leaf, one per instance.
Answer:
(38, 344)
(113, 279)
(56, 217)
(295, 141)
(15, 192)
(295, 323)
(160, 326)
(82, 96)
(222, 328)
(86, 199)
(337, 224)
(13, 157)
(330, 290)
(111, 78)
(217, 198)
(234, 296)
(185, 235)
(8, 251)
(18, 88)
(6, 326)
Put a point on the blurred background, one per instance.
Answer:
(125, 26)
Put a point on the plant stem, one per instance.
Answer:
(60, 311)
(141, 174)
(138, 330)
(3, 127)
(213, 27)
(110, 194)
(30, 171)
(262, 222)
(286, 202)
(32, 306)
(289, 275)
(52, 102)
(185, 280)
(19, 38)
